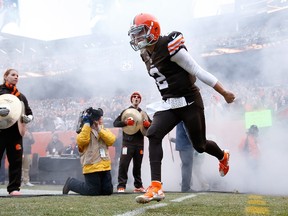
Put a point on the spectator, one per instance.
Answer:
(55, 146)
(72, 148)
(186, 151)
(2, 171)
(249, 146)
(28, 141)
(191, 167)
(115, 163)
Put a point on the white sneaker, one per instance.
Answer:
(141, 190)
(29, 184)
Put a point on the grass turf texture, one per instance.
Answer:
(124, 204)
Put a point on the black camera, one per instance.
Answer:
(93, 114)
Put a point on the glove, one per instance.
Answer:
(4, 111)
(87, 119)
(130, 121)
(146, 123)
(26, 119)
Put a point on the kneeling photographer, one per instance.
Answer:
(93, 141)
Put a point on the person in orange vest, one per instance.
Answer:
(249, 146)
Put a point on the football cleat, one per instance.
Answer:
(224, 164)
(154, 192)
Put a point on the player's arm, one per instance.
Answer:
(185, 60)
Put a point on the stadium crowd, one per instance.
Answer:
(62, 114)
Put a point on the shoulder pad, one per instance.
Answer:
(176, 42)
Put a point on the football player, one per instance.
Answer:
(175, 72)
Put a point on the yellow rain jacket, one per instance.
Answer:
(93, 148)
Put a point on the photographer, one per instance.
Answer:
(93, 141)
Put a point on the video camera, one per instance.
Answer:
(93, 114)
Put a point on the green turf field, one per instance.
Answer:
(208, 203)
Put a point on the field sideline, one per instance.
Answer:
(48, 200)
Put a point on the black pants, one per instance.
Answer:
(11, 141)
(164, 121)
(186, 157)
(97, 183)
(135, 153)
(2, 169)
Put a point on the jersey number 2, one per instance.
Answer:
(159, 77)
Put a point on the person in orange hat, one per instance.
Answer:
(132, 146)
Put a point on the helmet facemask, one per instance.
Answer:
(141, 36)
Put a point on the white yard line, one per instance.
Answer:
(183, 198)
(142, 210)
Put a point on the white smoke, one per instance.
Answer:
(104, 75)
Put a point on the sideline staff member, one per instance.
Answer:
(132, 147)
(10, 138)
(93, 142)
